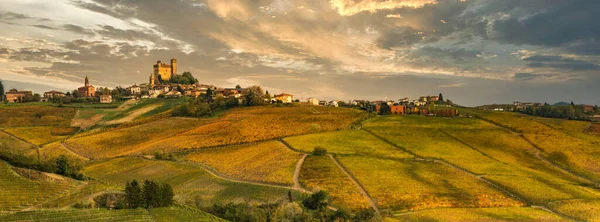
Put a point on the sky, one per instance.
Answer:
(475, 52)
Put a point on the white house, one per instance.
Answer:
(333, 103)
(135, 89)
(313, 101)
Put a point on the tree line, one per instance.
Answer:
(208, 104)
(150, 195)
(61, 166)
(571, 111)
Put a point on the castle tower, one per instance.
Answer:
(173, 67)
(87, 81)
(152, 80)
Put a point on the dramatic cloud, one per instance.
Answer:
(476, 51)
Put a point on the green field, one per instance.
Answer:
(181, 213)
(346, 142)
(192, 184)
(22, 188)
(80, 215)
(416, 185)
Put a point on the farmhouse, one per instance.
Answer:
(14, 95)
(284, 97)
(53, 94)
(87, 90)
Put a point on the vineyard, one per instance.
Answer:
(562, 148)
(346, 142)
(42, 134)
(80, 215)
(190, 182)
(481, 214)
(247, 125)
(321, 173)
(269, 162)
(588, 210)
(52, 151)
(18, 191)
(21, 116)
(414, 185)
(181, 213)
(8, 144)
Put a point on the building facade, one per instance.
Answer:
(313, 101)
(15, 96)
(105, 99)
(53, 94)
(87, 90)
(285, 98)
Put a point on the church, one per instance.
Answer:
(163, 72)
(87, 90)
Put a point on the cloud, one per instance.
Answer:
(352, 7)
(560, 62)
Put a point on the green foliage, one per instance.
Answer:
(133, 195)
(66, 168)
(253, 96)
(2, 96)
(385, 109)
(153, 195)
(573, 112)
(240, 212)
(365, 215)
(316, 201)
(319, 151)
(186, 78)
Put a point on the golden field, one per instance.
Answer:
(269, 162)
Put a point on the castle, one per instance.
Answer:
(163, 72)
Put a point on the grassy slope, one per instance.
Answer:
(37, 135)
(191, 183)
(21, 116)
(80, 215)
(181, 213)
(20, 191)
(269, 162)
(321, 173)
(480, 214)
(415, 185)
(346, 142)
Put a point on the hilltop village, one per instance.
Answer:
(166, 82)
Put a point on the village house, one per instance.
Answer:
(106, 99)
(193, 93)
(404, 100)
(333, 103)
(134, 90)
(14, 95)
(588, 108)
(313, 101)
(398, 109)
(87, 90)
(172, 94)
(54, 94)
(284, 97)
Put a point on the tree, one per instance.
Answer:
(75, 94)
(238, 87)
(441, 100)
(2, 96)
(150, 193)
(133, 195)
(253, 96)
(36, 97)
(316, 201)
(62, 166)
(165, 195)
(384, 109)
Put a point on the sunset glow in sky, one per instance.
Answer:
(474, 51)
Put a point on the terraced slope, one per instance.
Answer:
(191, 183)
(269, 162)
(80, 215)
(19, 192)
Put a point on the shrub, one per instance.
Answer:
(319, 151)
(316, 201)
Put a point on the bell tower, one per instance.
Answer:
(87, 81)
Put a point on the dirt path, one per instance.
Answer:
(227, 178)
(297, 171)
(360, 187)
(74, 153)
(133, 115)
(74, 117)
(538, 154)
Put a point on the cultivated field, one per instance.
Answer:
(346, 142)
(269, 162)
(321, 173)
(416, 185)
(22, 188)
(480, 214)
(181, 213)
(20, 116)
(42, 134)
(80, 215)
(192, 184)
